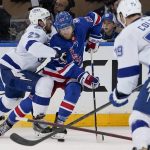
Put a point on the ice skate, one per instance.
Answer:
(60, 136)
(41, 129)
(4, 127)
(2, 118)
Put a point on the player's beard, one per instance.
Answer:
(48, 29)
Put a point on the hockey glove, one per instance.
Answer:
(118, 99)
(92, 45)
(88, 80)
(61, 56)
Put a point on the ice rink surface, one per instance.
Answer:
(75, 140)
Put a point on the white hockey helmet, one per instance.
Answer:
(37, 14)
(128, 7)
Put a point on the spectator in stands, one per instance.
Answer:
(4, 24)
(102, 10)
(110, 6)
(108, 31)
(57, 6)
(147, 13)
(47, 4)
(107, 7)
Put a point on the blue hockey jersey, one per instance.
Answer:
(74, 47)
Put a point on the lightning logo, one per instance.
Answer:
(148, 87)
(20, 75)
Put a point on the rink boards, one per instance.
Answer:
(105, 67)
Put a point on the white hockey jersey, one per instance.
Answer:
(132, 47)
(30, 52)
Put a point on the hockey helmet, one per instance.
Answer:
(62, 20)
(37, 14)
(128, 7)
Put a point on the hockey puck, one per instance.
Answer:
(61, 140)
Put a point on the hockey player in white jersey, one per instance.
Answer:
(132, 48)
(19, 65)
(64, 73)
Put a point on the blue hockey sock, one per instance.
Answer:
(72, 94)
(21, 110)
(65, 110)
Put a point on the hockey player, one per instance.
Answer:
(70, 39)
(132, 48)
(66, 73)
(19, 65)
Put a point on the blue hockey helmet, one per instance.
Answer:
(109, 17)
(62, 20)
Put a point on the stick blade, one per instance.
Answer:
(20, 140)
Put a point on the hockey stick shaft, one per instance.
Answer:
(77, 128)
(93, 91)
(20, 140)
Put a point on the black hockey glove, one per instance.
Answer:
(61, 56)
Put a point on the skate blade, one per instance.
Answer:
(59, 137)
(40, 135)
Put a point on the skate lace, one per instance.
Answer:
(2, 118)
(39, 125)
(4, 128)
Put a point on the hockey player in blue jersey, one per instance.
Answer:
(132, 48)
(70, 39)
(67, 73)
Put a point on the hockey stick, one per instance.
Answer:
(20, 140)
(94, 97)
(76, 128)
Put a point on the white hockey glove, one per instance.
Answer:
(92, 45)
(118, 99)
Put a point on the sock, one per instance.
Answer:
(21, 110)
(3, 108)
(40, 105)
(65, 110)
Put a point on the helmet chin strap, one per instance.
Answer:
(44, 21)
(124, 24)
(119, 19)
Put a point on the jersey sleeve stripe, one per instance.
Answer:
(66, 69)
(128, 71)
(52, 74)
(97, 19)
(29, 43)
(10, 61)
